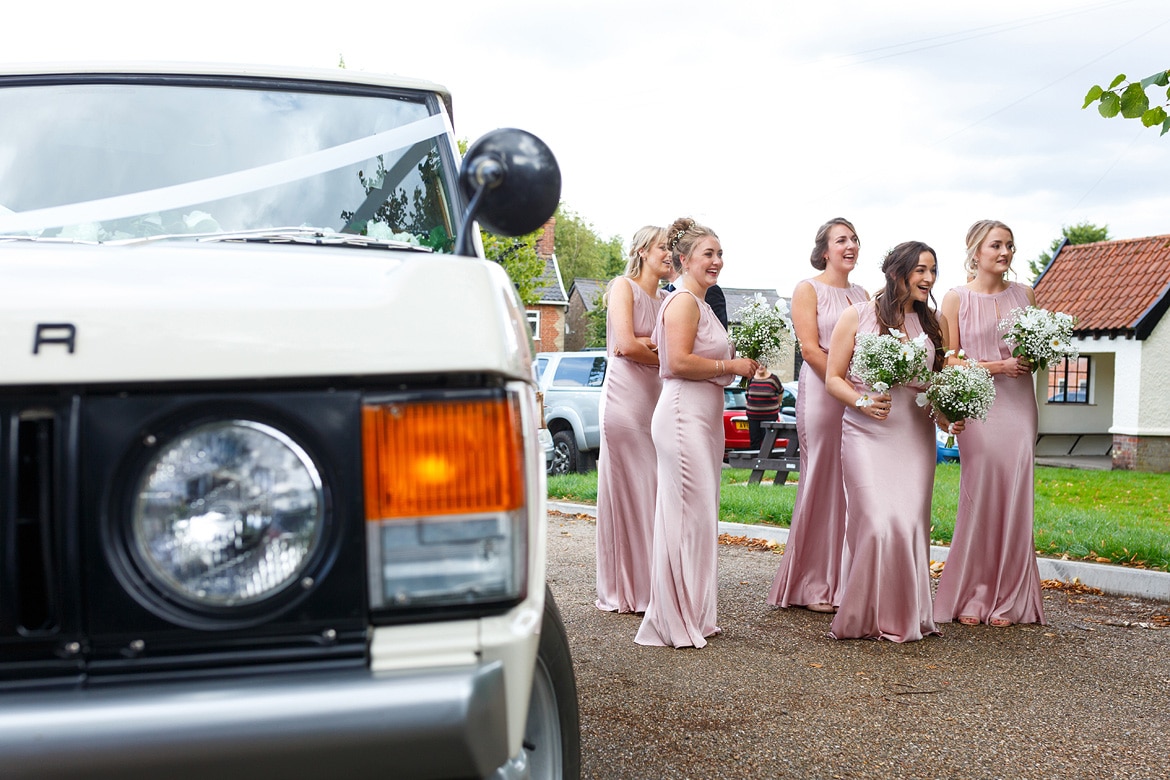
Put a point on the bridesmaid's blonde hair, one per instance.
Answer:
(644, 239)
(976, 235)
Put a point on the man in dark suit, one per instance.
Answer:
(715, 299)
(718, 303)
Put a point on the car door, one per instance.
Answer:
(579, 380)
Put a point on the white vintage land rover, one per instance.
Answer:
(271, 497)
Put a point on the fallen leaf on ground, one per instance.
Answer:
(574, 516)
(1072, 586)
(769, 545)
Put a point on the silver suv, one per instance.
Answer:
(572, 383)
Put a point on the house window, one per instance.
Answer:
(1068, 381)
(534, 323)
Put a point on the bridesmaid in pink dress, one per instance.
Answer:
(688, 437)
(990, 574)
(887, 460)
(626, 480)
(811, 570)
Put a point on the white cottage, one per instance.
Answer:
(1116, 396)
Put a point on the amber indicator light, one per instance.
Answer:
(442, 458)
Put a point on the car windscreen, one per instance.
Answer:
(115, 161)
(580, 372)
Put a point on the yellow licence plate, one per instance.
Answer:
(741, 425)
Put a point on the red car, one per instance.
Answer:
(735, 422)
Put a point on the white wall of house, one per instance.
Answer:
(1153, 384)
(1129, 389)
(1128, 395)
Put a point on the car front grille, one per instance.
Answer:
(39, 633)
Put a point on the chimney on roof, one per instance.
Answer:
(546, 241)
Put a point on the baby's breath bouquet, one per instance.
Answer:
(960, 392)
(763, 332)
(1039, 335)
(883, 360)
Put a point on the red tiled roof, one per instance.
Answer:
(1112, 286)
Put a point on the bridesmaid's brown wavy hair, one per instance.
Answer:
(891, 301)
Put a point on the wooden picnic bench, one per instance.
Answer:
(768, 460)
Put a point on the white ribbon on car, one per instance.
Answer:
(227, 185)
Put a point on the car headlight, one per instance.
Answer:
(227, 513)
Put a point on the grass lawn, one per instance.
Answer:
(1107, 516)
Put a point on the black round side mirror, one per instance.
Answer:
(512, 182)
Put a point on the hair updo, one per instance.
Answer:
(976, 235)
(821, 243)
(681, 237)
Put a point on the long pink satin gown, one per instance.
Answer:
(626, 472)
(688, 436)
(888, 467)
(812, 569)
(991, 573)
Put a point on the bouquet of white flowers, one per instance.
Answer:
(763, 332)
(959, 392)
(1039, 335)
(883, 360)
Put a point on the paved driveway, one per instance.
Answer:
(1086, 696)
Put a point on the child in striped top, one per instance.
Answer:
(763, 403)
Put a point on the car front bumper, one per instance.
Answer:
(447, 723)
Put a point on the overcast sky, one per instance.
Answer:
(763, 120)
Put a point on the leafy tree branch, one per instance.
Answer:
(1131, 99)
(519, 259)
(595, 335)
(581, 252)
